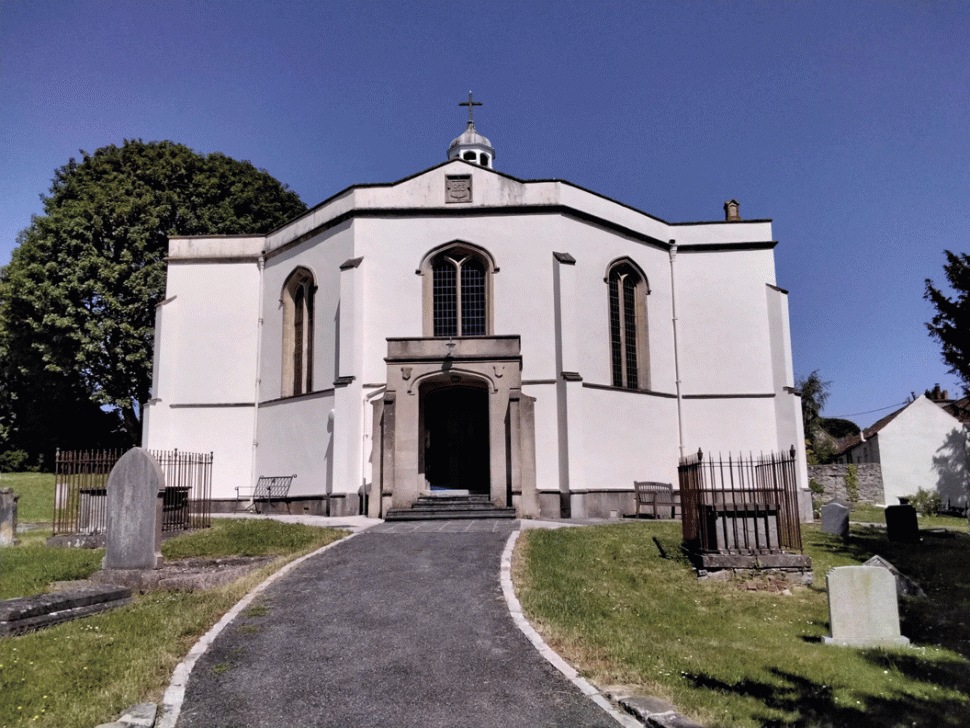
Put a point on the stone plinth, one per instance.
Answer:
(863, 610)
(134, 535)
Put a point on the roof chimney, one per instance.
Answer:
(731, 211)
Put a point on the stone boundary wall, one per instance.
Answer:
(832, 479)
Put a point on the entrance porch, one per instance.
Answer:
(453, 417)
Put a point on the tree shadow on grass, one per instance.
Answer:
(815, 706)
(939, 564)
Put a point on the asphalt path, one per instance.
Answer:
(400, 626)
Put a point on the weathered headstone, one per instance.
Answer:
(134, 536)
(835, 519)
(863, 610)
(840, 501)
(904, 585)
(8, 517)
(901, 524)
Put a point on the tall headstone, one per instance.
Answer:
(134, 536)
(863, 610)
(8, 517)
(835, 519)
(901, 524)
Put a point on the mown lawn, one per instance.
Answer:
(87, 672)
(606, 599)
(36, 491)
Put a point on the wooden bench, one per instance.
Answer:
(656, 495)
(268, 488)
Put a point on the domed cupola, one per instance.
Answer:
(472, 146)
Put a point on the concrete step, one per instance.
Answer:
(452, 506)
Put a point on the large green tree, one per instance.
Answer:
(77, 301)
(951, 324)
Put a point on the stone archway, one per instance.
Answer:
(453, 416)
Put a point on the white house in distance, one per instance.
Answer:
(921, 445)
(525, 339)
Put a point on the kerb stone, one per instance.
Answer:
(835, 519)
(863, 610)
(134, 535)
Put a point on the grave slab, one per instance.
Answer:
(863, 609)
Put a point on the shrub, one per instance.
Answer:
(926, 502)
(16, 461)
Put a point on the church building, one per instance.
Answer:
(527, 340)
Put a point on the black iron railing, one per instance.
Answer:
(743, 505)
(81, 492)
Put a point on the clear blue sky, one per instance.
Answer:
(847, 123)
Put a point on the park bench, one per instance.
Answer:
(656, 496)
(267, 489)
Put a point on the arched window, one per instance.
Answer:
(629, 352)
(458, 293)
(298, 333)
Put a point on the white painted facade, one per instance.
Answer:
(920, 446)
(712, 317)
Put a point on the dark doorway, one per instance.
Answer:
(456, 439)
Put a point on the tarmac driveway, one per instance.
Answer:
(402, 625)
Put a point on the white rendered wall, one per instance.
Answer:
(627, 437)
(722, 327)
(295, 438)
(208, 340)
(206, 368)
(226, 432)
(924, 447)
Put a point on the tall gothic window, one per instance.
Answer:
(628, 326)
(298, 333)
(459, 293)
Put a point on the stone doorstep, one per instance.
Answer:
(42, 610)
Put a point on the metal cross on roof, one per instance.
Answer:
(470, 104)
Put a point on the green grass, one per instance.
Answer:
(36, 491)
(87, 672)
(609, 603)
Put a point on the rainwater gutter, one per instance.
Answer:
(260, 264)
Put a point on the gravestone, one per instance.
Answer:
(8, 517)
(904, 585)
(901, 524)
(840, 501)
(835, 519)
(863, 609)
(134, 536)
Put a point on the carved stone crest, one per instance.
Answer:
(458, 188)
(406, 373)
